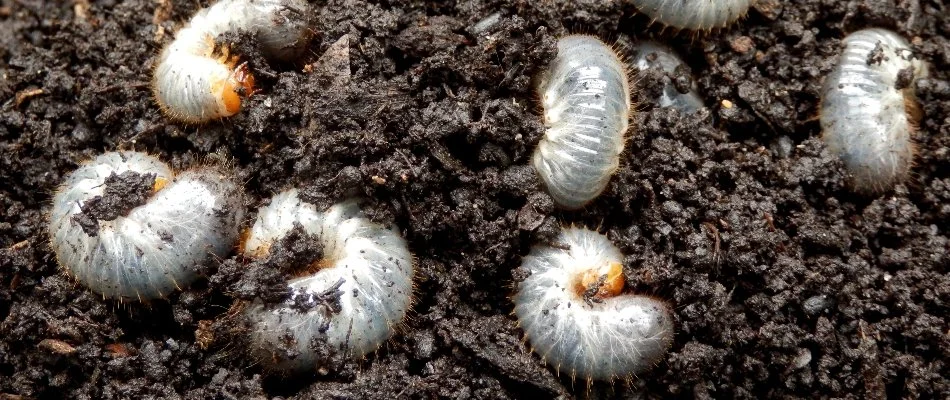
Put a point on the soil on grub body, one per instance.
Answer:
(783, 282)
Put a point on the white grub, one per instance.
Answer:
(586, 98)
(649, 55)
(350, 307)
(694, 14)
(155, 247)
(867, 114)
(196, 80)
(574, 315)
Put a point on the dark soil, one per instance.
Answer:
(122, 193)
(784, 283)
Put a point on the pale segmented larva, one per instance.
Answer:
(694, 14)
(126, 227)
(196, 80)
(868, 108)
(574, 316)
(586, 99)
(350, 306)
(652, 55)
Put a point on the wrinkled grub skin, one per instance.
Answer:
(783, 283)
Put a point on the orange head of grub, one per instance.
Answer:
(600, 282)
(238, 85)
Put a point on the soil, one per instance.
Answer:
(784, 283)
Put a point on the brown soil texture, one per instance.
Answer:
(783, 282)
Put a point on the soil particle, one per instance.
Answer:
(122, 193)
(784, 282)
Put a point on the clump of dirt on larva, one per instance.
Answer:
(122, 193)
(784, 283)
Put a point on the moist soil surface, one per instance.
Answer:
(783, 282)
